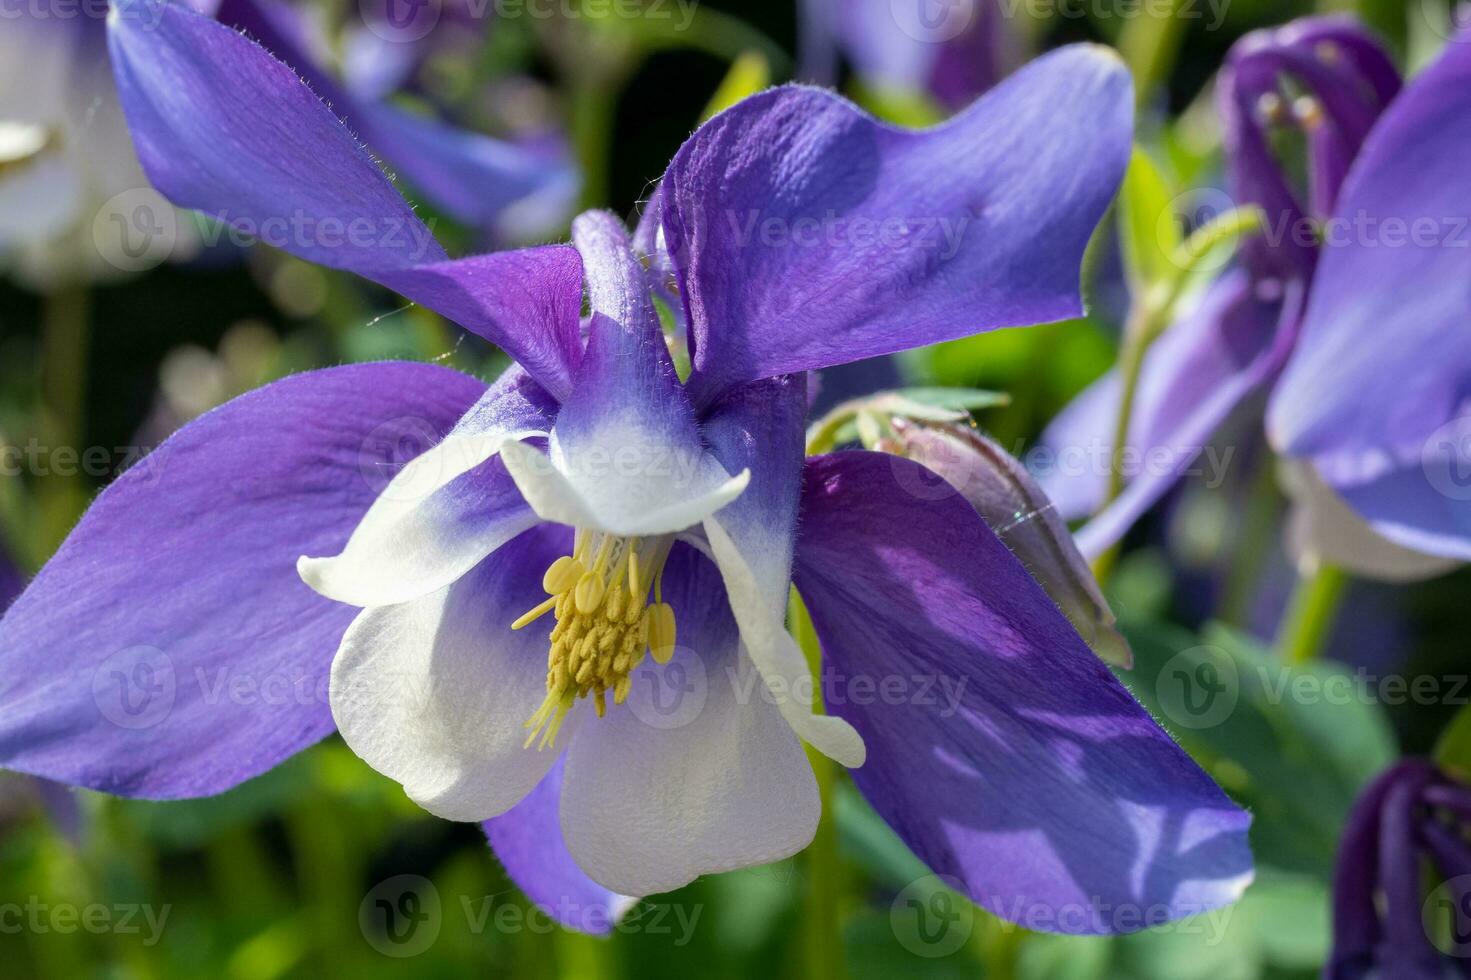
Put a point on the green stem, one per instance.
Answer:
(1131, 367)
(1310, 614)
(65, 346)
(1151, 316)
(594, 105)
(822, 931)
(64, 358)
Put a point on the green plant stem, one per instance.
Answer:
(1310, 614)
(822, 933)
(65, 346)
(594, 106)
(1151, 316)
(1131, 367)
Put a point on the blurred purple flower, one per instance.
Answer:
(1379, 362)
(68, 171)
(1412, 817)
(952, 52)
(511, 190)
(590, 476)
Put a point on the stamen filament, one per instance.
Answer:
(532, 615)
(602, 632)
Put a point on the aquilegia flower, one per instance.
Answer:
(951, 52)
(593, 533)
(1412, 819)
(1318, 285)
(1376, 393)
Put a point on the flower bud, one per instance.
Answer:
(1015, 508)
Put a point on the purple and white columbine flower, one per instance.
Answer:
(1372, 324)
(1410, 819)
(500, 593)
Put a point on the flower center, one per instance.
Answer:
(605, 623)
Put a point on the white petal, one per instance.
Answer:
(758, 607)
(618, 506)
(422, 533)
(647, 808)
(1323, 528)
(434, 693)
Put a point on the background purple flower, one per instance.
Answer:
(1243, 331)
(1411, 818)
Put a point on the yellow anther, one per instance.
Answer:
(589, 593)
(603, 624)
(562, 575)
(1269, 109)
(1308, 110)
(660, 630)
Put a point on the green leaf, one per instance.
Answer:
(871, 843)
(1052, 956)
(1294, 744)
(956, 399)
(1148, 231)
(1453, 749)
(1281, 922)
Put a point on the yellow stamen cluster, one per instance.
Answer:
(605, 624)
